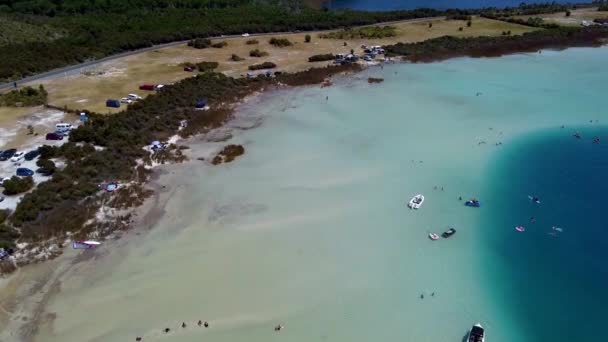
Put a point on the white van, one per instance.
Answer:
(63, 127)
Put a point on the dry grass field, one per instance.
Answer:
(575, 18)
(120, 77)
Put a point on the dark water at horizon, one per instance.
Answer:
(388, 5)
(556, 281)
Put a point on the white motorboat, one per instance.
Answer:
(416, 201)
(433, 236)
(476, 334)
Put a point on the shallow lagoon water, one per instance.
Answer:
(310, 227)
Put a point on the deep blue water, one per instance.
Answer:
(387, 5)
(557, 281)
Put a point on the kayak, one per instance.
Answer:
(520, 228)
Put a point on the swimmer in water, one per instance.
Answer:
(166, 330)
(278, 328)
(206, 324)
(183, 324)
(138, 338)
(199, 323)
(421, 296)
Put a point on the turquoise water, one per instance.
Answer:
(310, 227)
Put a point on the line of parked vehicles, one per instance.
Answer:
(370, 53)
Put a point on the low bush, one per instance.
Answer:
(17, 185)
(280, 42)
(252, 42)
(258, 53)
(265, 65)
(46, 166)
(236, 58)
(321, 58)
(372, 32)
(26, 96)
(200, 43)
(219, 45)
(207, 66)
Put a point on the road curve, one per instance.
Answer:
(59, 71)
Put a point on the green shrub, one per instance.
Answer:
(46, 166)
(321, 58)
(207, 66)
(252, 42)
(236, 58)
(26, 96)
(219, 45)
(372, 32)
(200, 43)
(265, 65)
(257, 53)
(280, 42)
(307, 38)
(17, 185)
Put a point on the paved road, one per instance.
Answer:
(71, 68)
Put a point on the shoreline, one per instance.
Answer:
(146, 216)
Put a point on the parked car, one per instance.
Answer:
(245, 35)
(134, 97)
(188, 69)
(8, 154)
(53, 136)
(31, 154)
(24, 172)
(44, 172)
(126, 100)
(17, 157)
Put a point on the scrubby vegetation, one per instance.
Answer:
(321, 58)
(252, 42)
(200, 43)
(207, 66)
(448, 47)
(236, 58)
(372, 80)
(307, 38)
(220, 45)
(26, 96)
(373, 32)
(265, 65)
(228, 154)
(257, 53)
(603, 6)
(17, 185)
(280, 42)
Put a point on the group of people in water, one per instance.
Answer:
(201, 323)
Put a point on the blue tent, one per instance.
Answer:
(201, 103)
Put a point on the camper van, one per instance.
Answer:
(63, 128)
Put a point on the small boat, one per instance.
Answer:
(416, 201)
(534, 199)
(476, 334)
(433, 236)
(449, 233)
(520, 228)
(472, 203)
(85, 244)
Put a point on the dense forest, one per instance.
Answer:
(72, 31)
